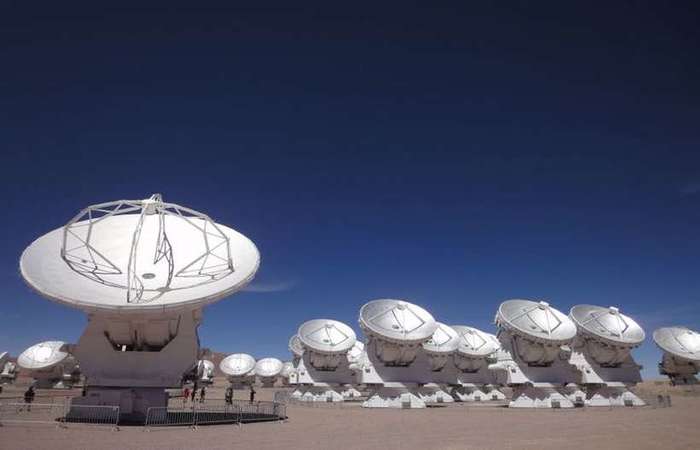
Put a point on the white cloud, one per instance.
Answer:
(270, 287)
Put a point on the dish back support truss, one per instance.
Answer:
(80, 255)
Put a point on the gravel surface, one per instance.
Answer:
(457, 426)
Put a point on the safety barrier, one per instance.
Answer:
(60, 413)
(32, 413)
(210, 413)
(93, 415)
(161, 416)
(261, 411)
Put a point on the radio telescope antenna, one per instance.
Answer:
(50, 364)
(438, 352)
(474, 382)
(324, 369)
(267, 370)
(681, 359)
(535, 352)
(286, 372)
(8, 369)
(395, 331)
(602, 354)
(239, 368)
(143, 270)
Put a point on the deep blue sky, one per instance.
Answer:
(455, 157)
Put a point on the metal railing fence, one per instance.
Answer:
(93, 415)
(210, 413)
(59, 413)
(16, 412)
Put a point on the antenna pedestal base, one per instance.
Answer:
(528, 396)
(123, 365)
(469, 393)
(612, 396)
(394, 396)
(534, 386)
(477, 393)
(575, 394)
(298, 393)
(323, 394)
(321, 385)
(493, 393)
(350, 393)
(434, 393)
(607, 386)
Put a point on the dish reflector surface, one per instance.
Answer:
(238, 365)
(397, 320)
(43, 355)
(135, 255)
(473, 342)
(326, 336)
(268, 367)
(295, 345)
(607, 324)
(679, 341)
(445, 339)
(536, 320)
(494, 338)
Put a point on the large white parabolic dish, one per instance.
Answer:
(536, 321)
(445, 340)
(680, 342)
(397, 321)
(139, 255)
(326, 336)
(268, 367)
(43, 355)
(238, 365)
(474, 343)
(608, 325)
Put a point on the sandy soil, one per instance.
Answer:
(457, 426)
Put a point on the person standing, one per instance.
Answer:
(29, 397)
(228, 397)
(252, 394)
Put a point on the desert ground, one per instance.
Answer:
(456, 426)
